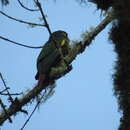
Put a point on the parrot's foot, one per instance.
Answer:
(61, 70)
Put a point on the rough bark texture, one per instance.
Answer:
(120, 35)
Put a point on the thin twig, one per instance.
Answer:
(39, 101)
(12, 94)
(22, 5)
(4, 90)
(10, 98)
(17, 43)
(43, 16)
(21, 21)
(3, 106)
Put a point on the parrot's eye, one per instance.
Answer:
(65, 34)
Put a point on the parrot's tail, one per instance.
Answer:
(41, 81)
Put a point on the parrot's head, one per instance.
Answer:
(57, 35)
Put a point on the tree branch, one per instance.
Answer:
(4, 109)
(6, 88)
(58, 72)
(12, 94)
(33, 47)
(43, 16)
(22, 5)
(21, 21)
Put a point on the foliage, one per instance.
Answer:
(120, 35)
(4, 2)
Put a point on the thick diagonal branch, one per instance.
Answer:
(56, 73)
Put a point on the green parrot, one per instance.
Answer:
(50, 55)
